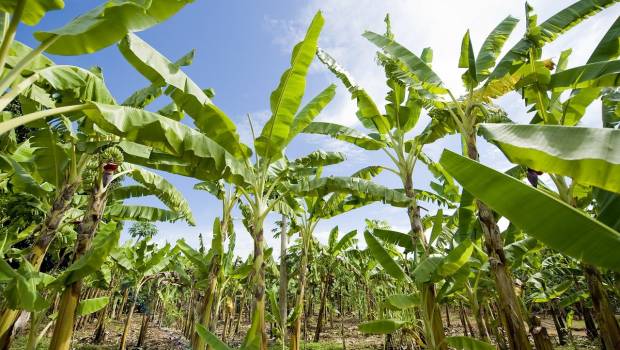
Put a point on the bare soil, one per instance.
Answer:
(165, 338)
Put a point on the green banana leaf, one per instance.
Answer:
(33, 10)
(468, 60)
(381, 326)
(286, 98)
(51, 156)
(426, 270)
(108, 23)
(345, 134)
(193, 256)
(549, 30)
(540, 215)
(311, 110)
(384, 258)
(319, 158)
(402, 240)
(140, 213)
(105, 240)
(89, 306)
(456, 258)
(75, 82)
(20, 288)
(344, 243)
(19, 50)
(367, 111)
(607, 208)
(132, 191)
(404, 301)
(468, 343)
(164, 190)
(608, 48)
(186, 94)
(210, 338)
(589, 156)
(204, 157)
(364, 189)
(22, 179)
(416, 66)
(492, 47)
(597, 74)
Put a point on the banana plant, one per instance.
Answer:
(554, 155)
(486, 79)
(389, 134)
(141, 265)
(217, 261)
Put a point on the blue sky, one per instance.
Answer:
(244, 46)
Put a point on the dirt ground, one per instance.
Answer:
(162, 338)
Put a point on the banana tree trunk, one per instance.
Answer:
(299, 306)
(206, 312)
(123, 342)
(53, 219)
(143, 330)
(63, 331)
(258, 330)
(558, 323)
(478, 316)
(431, 313)
(607, 323)
(319, 321)
(509, 305)
(99, 336)
(282, 296)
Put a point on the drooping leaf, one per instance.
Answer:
(50, 155)
(456, 258)
(320, 158)
(542, 216)
(286, 98)
(415, 65)
(141, 213)
(186, 94)
(404, 301)
(345, 134)
(590, 156)
(33, 10)
(367, 111)
(89, 306)
(384, 258)
(105, 240)
(186, 148)
(363, 189)
(402, 240)
(210, 338)
(108, 23)
(164, 190)
(598, 74)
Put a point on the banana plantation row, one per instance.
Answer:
(67, 148)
